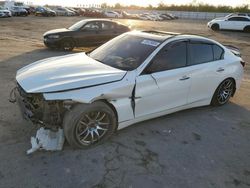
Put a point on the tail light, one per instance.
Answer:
(243, 63)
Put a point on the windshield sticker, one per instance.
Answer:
(150, 43)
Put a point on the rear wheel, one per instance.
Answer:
(223, 93)
(215, 27)
(67, 45)
(247, 29)
(89, 124)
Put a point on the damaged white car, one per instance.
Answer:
(132, 78)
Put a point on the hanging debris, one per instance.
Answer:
(47, 140)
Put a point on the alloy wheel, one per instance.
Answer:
(68, 45)
(92, 127)
(225, 91)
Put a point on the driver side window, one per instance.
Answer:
(92, 26)
(170, 57)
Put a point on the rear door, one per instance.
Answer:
(165, 83)
(208, 69)
(234, 23)
(243, 22)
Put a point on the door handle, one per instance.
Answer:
(220, 69)
(184, 78)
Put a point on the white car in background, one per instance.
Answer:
(241, 23)
(133, 77)
(4, 12)
(150, 16)
(112, 14)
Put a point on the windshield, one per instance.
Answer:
(126, 53)
(229, 15)
(48, 9)
(77, 25)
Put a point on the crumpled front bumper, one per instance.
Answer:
(36, 109)
(17, 97)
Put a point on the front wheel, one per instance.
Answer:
(67, 45)
(223, 93)
(89, 124)
(215, 27)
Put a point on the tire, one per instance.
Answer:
(80, 131)
(223, 92)
(215, 27)
(247, 29)
(67, 45)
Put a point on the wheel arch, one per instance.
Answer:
(105, 101)
(234, 90)
(216, 24)
(233, 79)
(246, 28)
(112, 107)
(214, 102)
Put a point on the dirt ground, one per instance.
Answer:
(201, 147)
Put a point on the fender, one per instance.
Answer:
(119, 94)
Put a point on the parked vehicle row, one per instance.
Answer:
(23, 10)
(156, 16)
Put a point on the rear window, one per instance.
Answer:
(238, 19)
(200, 53)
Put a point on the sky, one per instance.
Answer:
(137, 2)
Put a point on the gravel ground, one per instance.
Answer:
(201, 147)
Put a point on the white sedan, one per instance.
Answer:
(134, 77)
(241, 23)
(112, 14)
(4, 12)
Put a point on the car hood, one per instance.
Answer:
(54, 31)
(66, 73)
(5, 11)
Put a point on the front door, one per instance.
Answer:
(89, 34)
(165, 83)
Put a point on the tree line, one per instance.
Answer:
(189, 7)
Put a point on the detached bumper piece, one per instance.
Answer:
(47, 140)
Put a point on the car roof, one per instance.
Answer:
(241, 16)
(163, 36)
(154, 35)
(96, 19)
